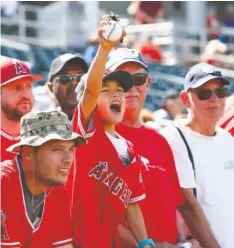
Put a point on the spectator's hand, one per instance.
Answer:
(6, 166)
(194, 244)
(105, 43)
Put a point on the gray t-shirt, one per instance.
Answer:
(34, 203)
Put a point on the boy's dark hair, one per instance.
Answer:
(125, 80)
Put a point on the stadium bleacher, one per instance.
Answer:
(163, 77)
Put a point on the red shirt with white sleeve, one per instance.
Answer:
(103, 186)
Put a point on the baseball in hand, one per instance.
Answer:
(112, 31)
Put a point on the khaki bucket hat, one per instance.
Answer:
(36, 128)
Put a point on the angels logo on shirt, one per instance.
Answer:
(148, 166)
(4, 233)
(19, 69)
(116, 185)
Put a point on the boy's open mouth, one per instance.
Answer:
(116, 107)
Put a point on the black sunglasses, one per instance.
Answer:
(67, 79)
(139, 78)
(205, 94)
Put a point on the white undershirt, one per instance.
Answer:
(120, 145)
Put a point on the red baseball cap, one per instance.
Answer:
(13, 69)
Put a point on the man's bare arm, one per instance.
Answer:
(196, 221)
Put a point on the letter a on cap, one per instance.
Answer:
(18, 67)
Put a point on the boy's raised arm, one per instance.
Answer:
(93, 84)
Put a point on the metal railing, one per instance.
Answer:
(180, 41)
(47, 34)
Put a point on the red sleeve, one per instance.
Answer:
(63, 235)
(134, 181)
(171, 163)
(10, 226)
(79, 126)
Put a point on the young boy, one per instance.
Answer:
(108, 183)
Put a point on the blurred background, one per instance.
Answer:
(171, 36)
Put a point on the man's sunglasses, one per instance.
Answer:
(139, 78)
(205, 94)
(67, 79)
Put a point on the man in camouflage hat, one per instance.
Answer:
(35, 205)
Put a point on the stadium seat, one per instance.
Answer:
(42, 59)
(9, 52)
(162, 75)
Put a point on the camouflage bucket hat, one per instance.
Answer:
(36, 128)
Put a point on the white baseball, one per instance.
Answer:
(112, 31)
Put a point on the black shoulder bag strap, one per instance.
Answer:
(190, 156)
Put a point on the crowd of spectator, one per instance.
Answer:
(88, 166)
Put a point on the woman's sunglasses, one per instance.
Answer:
(205, 94)
(67, 79)
(139, 78)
